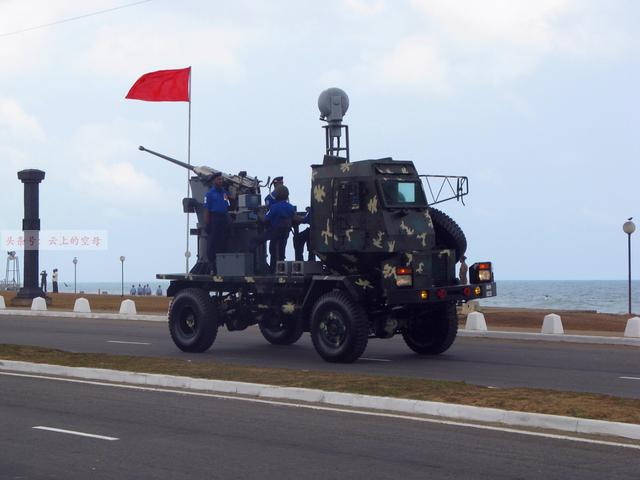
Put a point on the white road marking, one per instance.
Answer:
(128, 343)
(374, 359)
(333, 409)
(630, 378)
(73, 432)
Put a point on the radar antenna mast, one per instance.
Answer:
(333, 104)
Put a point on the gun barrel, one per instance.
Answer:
(172, 160)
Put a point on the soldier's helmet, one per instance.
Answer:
(281, 193)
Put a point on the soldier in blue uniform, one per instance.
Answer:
(271, 198)
(279, 219)
(216, 203)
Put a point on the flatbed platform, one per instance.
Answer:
(246, 279)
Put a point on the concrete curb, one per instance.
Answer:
(548, 337)
(111, 316)
(445, 410)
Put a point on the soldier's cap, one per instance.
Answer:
(277, 179)
(216, 175)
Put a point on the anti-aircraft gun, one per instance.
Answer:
(387, 260)
(245, 208)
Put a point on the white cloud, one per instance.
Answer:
(120, 183)
(519, 24)
(13, 159)
(16, 122)
(366, 7)
(451, 43)
(107, 176)
(33, 48)
(123, 42)
(414, 63)
(121, 50)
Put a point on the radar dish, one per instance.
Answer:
(333, 104)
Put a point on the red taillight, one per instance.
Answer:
(484, 266)
(441, 293)
(467, 291)
(403, 271)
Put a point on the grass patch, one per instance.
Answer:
(582, 405)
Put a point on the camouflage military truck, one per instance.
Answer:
(386, 259)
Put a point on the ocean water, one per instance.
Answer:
(608, 296)
(112, 288)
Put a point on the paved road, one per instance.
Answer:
(171, 435)
(497, 363)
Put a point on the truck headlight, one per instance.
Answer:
(404, 277)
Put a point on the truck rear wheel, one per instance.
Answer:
(280, 330)
(432, 333)
(339, 328)
(193, 320)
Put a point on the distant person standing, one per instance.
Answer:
(159, 291)
(463, 271)
(43, 281)
(139, 291)
(133, 290)
(54, 281)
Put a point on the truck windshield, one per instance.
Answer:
(403, 193)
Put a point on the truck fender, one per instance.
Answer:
(321, 284)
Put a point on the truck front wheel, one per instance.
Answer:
(432, 333)
(339, 328)
(193, 320)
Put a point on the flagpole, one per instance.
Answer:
(186, 252)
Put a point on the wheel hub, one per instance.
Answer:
(189, 324)
(333, 328)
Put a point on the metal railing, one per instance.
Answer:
(441, 188)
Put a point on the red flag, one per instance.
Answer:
(162, 86)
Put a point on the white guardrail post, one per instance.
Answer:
(633, 328)
(81, 305)
(552, 324)
(128, 307)
(476, 322)
(39, 304)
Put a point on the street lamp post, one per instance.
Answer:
(629, 227)
(75, 277)
(122, 271)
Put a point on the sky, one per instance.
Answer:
(536, 102)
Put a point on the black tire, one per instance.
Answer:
(448, 232)
(434, 332)
(193, 320)
(279, 329)
(339, 328)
